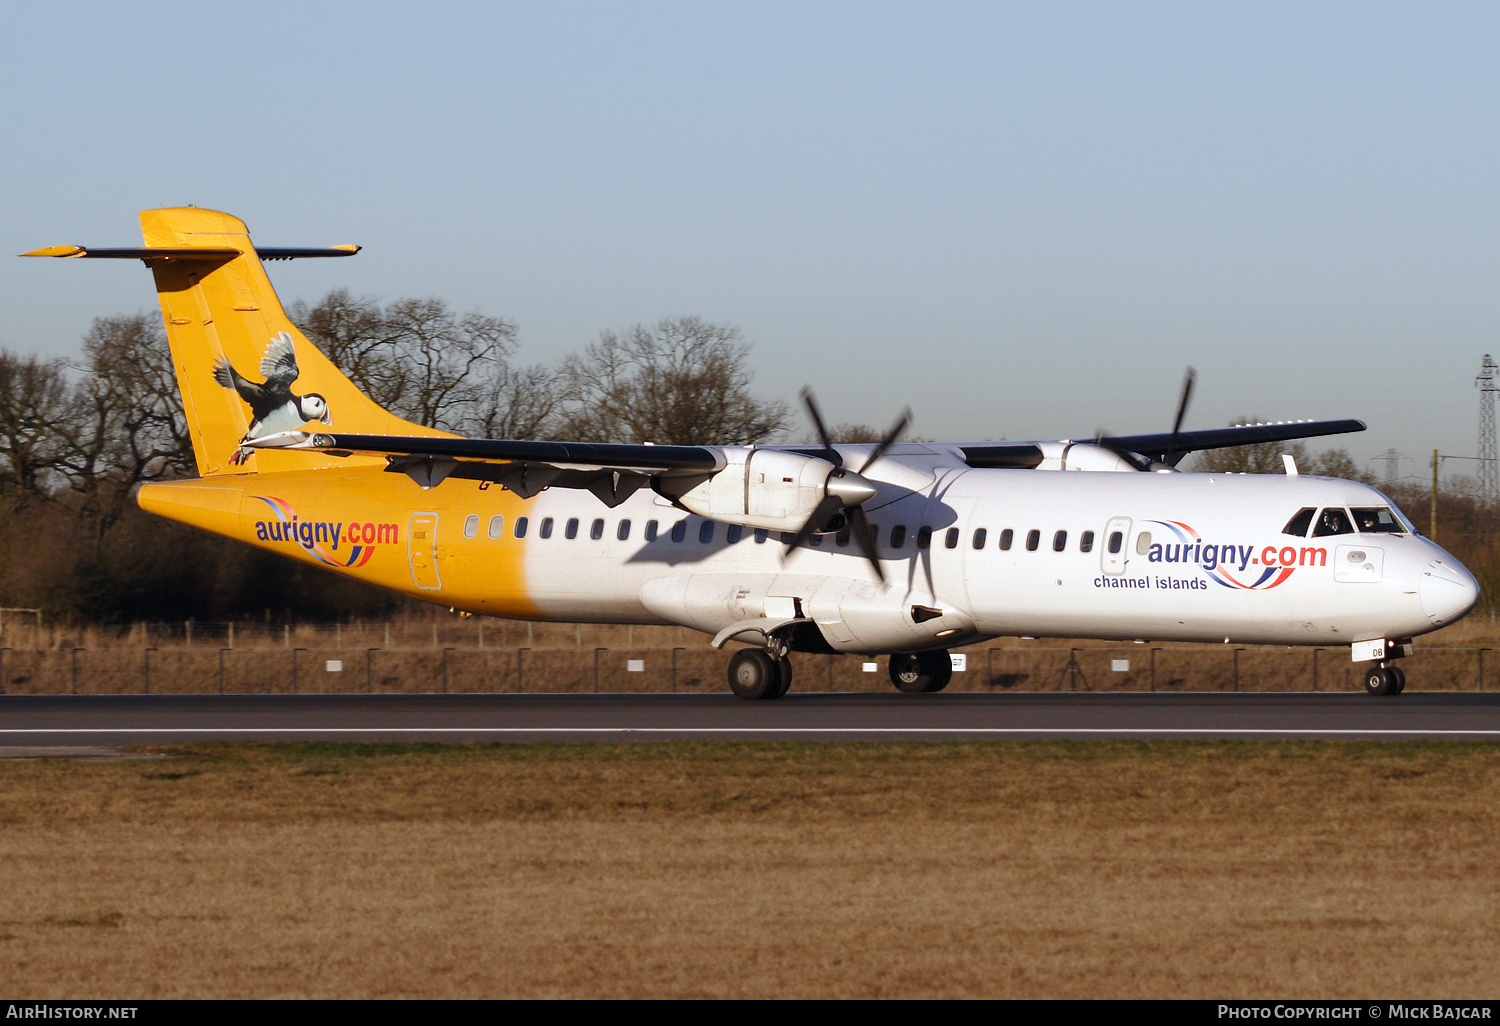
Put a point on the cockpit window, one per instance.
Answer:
(1298, 525)
(1332, 521)
(1376, 520)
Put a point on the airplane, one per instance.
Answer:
(902, 549)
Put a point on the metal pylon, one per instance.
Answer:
(1489, 471)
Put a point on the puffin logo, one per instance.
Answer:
(321, 538)
(273, 407)
(1233, 565)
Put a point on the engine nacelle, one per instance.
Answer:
(768, 488)
(1088, 456)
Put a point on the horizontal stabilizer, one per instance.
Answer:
(189, 252)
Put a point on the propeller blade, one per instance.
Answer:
(889, 439)
(824, 512)
(864, 536)
(817, 418)
(1182, 405)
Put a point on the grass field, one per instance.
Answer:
(738, 869)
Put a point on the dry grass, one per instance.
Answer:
(723, 869)
(431, 653)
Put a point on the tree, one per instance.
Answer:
(126, 423)
(682, 381)
(421, 361)
(521, 402)
(34, 401)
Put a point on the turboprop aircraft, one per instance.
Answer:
(898, 548)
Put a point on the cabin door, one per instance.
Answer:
(421, 551)
(1115, 545)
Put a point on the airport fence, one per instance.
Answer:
(492, 656)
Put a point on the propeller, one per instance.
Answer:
(1170, 458)
(846, 491)
(1182, 404)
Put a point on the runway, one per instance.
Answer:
(141, 719)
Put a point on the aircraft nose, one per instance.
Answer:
(1447, 591)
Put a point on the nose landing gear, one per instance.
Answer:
(1384, 680)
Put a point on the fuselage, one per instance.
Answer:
(966, 553)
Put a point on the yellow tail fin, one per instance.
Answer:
(244, 369)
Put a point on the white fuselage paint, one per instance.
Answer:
(1204, 576)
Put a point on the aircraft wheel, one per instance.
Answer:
(785, 666)
(942, 672)
(1400, 678)
(753, 674)
(917, 672)
(1380, 681)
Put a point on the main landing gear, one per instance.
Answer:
(755, 674)
(917, 672)
(1381, 679)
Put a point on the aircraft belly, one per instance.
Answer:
(851, 615)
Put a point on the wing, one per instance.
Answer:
(279, 365)
(1162, 446)
(255, 395)
(613, 472)
(1158, 445)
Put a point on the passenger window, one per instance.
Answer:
(1332, 521)
(950, 540)
(1033, 539)
(924, 537)
(979, 536)
(734, 533)
(497, 527)
(521, 523)
(1059, 541)
(1116, 542)
(816, 541)
(842, 538)
(1086, 543)
(898, 536)
(471, 525)
(546, 529)
(1298, 525)
(1143, 543)
(651, 530)
(623, 531)
(706, 532)
(679, 530)
(1376, 520)
(571, 530)
(596, 530)
(787, 537)
(761, 534)
(1006, 537)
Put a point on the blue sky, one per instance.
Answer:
(1022, 220)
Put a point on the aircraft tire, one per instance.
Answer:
(942, 671)
(914, 673)
(1400, 678)
(1379, 681)
(754, 675)
(785, 665)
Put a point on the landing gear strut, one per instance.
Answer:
(1381, 679)
(916, 672)
(755, 674)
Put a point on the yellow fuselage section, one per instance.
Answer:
(362, 522)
